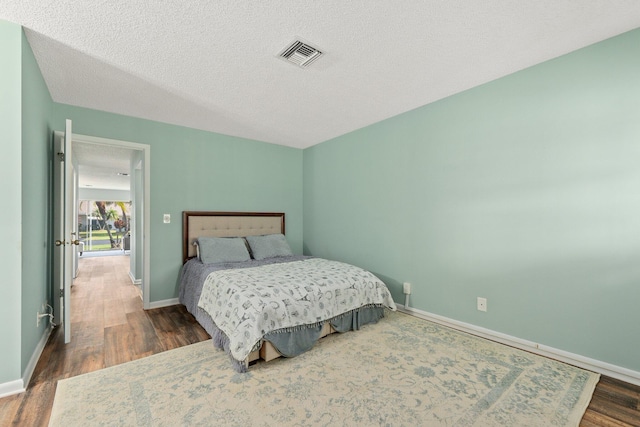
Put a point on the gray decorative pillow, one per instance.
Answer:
(269, 246)
(222, 249)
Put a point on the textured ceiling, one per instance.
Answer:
(213, 65)
(102, 166)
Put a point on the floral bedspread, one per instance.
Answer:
(248, 303)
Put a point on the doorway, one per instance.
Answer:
(116, 175)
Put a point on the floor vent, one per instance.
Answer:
(300, 53)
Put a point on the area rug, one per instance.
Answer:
(402, 371)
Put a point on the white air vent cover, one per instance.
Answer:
(300, 53)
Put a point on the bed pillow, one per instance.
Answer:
(222, 249)
(269, 246)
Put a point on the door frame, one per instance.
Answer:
(145, 149)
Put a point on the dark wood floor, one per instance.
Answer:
(110, 327)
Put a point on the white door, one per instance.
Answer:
(64, 236)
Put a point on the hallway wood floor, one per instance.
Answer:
(109, 327)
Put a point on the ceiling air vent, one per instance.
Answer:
(300, 53)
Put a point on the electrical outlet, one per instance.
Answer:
(406, 288)
(37, 319)
(482, 304)
(166, 218)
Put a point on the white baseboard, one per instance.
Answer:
(604, 368)
(19, 386)
(11, 387)
(164, 303)
(134, 280)
(31, 366)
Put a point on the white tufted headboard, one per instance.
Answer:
(226, 224)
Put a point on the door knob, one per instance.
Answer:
(75, 242)
(60, 243)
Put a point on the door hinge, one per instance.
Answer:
(61, 156)
(60, 293)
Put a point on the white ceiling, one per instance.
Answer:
(102, 166)
(213, 65)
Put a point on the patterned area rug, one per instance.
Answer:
(401, 371)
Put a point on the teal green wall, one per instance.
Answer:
(197, 170)
(525, 191)
(36, 170)
(10, 214)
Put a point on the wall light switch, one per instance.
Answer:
(166, 218)
(482, 304)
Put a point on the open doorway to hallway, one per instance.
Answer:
(112, 205)
(99, 169)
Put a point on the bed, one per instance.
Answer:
(257, 299)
